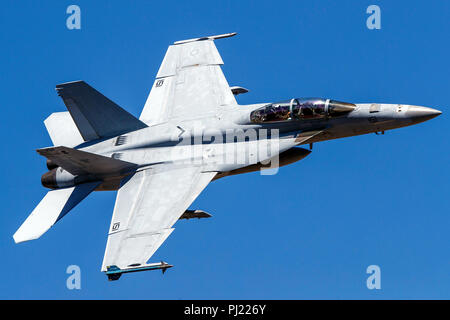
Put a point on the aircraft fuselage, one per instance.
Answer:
(231, 142)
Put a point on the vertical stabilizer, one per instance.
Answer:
(62, 130)
(94, 114)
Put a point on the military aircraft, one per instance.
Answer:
(190, 132)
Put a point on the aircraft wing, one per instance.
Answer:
(147, 206)
(189, 84)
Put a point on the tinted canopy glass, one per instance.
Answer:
(300, 109)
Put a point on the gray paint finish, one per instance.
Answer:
(158, 175)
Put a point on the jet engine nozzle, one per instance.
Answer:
(59, 178)
(51, 165)
(48, 179)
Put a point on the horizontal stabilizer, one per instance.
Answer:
(81, 162)
(55, 205)
(95, 115)
(62, 130)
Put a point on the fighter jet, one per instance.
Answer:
(191, 131)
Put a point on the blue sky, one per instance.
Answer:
(308, 232)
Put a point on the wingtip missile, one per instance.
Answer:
(219, 36)
(114, 272)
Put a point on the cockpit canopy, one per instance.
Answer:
(301, 109)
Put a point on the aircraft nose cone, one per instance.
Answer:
(419, 114)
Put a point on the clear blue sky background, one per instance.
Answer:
(308, 232)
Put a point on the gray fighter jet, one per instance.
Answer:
(191, 131)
